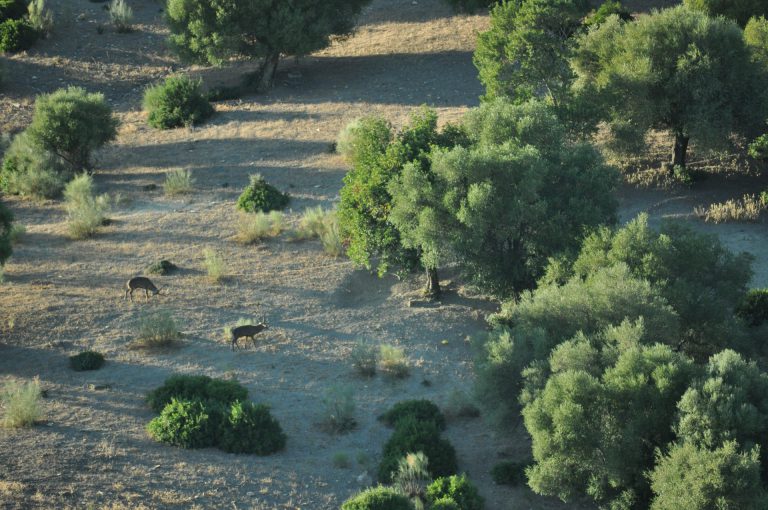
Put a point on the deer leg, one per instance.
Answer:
(125, 295)
(131, 291)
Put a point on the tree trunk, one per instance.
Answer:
(432, 290)
(267, 72)
(679, 150)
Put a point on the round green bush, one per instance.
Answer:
(188, 423)
(420, 410)
(178, 101)
(195, 387)
(378, 498)
(508, 472)
(445, 503)
(12, 9)
(86, 360)
(410, 436)
(31, 171)
(250, 428)
(457, 488)
(754, 307)
(259, 196)
(16, 35)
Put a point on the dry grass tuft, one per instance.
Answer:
(323, 224)
(393, 361)
(178, 182)
(254, 227)
(747, 208)
(85, 211)
(121, 16)
(9, 488)
(156, 330)
(215, 265)
(20, 403)
(364, 357)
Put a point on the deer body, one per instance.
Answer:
(247, 331)
(140, 282)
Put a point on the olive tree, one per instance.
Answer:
(213, 31)
(738, 10)
(676, 70)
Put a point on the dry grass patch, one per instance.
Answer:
(178, 182)
(121, 16)
(393, 361)
(156, 330)
(9, 489)
(364, 357)
(215, 265)
(338, 410)
(254, 227)
(748, 208)
(20, 403)
(85, 211)
(323, 224)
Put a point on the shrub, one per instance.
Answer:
(86, 360)
(16, 234)
(215, 265)
(412, 435)
(364, 138)
(378, 498)
(740, 11)
(178, 182)
(40, 18)
(12, 9)
(85, 212)
(162, 267)
(412, 476)
(157, 329)
(445, 503)
(338, 410)
(312, 223)
(364, 358)
(419, 410)
(460, 405)
(608, 8)
(458, 488)
(756, 37)
(393, 361)
(16, 35)
(261, 196)
(6, 233)
(195, 387)
(330, 237)
(252, 228)
(748, 208)
(121, 15)
(341, 460)
(20, 403)
(508, 472)
(178, 101)
(759, 148)
(188, 423)
(754, 307)
(250, 428)
(31, 171)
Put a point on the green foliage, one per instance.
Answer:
(364, 358)
(363, 140)
(71, 123)
(509, 472)
(188, 423)
(16, 35)
(419, 410)
(31, 171)
(412, 435)
(393, 360)
(121, 16)
(753, 308)
(702, 479)
(684, 266)
(178, 101)
(6, 230)
(445, 503)
(756, 37)
(730, 402)
(338, 414)
(758, 149)
(412, 475)
(501, 210)
(86, 360)
(459, 489)
(86, 212)
(675, 69)
(195, 387)
(261, 196)
(12, 9)
(525, 52)
(606, 9)
(250, 428)
(738, 10)
(378, 498)
(215, 265)
(40, 18)
(162, 267)
(254, 227)
(213, 31)
(595, 424)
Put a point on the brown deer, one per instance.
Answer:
(249, 331)
(140, 282)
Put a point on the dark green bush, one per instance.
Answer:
(162, 267)
(457, 488)
(16, 35)
(508, 472)
(12, 9)
(759, 148)
(378, 498)
(6, 244)
(178, 101)
(195, 387)
(188, 423)
(420, 410)
(261, 196)
(738, 10)
(250, 428)
(86, 360)
(754, 307)
(608, 8)
(31, 171)
(411, 436)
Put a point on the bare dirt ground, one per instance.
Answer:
(63, 296)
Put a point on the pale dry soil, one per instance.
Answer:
(63, 296)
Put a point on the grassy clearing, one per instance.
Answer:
(20, 403)
(178, 182)
(748, 209)
(255, 227)
(215, 265)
